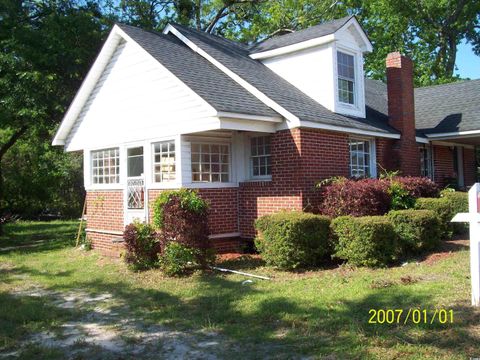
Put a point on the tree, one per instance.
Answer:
(46, 49)
(211, 16)
(429, 31)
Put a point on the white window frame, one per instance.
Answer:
(372, 154)
(154, 163)
(199, 142)
(250, 158)
(429, 153)
(118, 173)
(355, 85)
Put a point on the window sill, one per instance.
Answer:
(209, 185)
(99, 187)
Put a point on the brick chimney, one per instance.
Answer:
(401, 113)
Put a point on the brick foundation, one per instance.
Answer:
(105, 214)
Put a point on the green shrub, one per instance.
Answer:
(416, 230)
(142, 246)
(290, 240)
(443, 208)
(459, 202)
(401, 198)
(367, 241)
(177, 259)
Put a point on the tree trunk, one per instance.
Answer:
(3, 150)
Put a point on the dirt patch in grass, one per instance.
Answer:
(447, 249)
(106, 329)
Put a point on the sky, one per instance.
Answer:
(468, 63)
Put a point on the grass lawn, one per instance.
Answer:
(320, 313)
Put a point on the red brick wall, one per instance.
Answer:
(469, 166)
(223, 216)
(259, 198)
(105, 210)
(323, 154)
(105, 213)
(223, 211)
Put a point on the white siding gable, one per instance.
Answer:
(135, 98)
(314, 70)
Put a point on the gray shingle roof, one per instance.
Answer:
(200, 75)
(235, 57)
(448, 108)
(312, 32)
(438, 109)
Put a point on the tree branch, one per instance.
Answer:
(13, 139)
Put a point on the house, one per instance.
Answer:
(254, 128)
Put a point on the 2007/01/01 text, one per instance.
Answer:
(410, 316)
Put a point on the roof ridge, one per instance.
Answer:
(459, 82)
(214, 36)
(342, 20)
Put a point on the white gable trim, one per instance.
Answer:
(294, 47)
(367, 45)
(86, 88)
(247, 86)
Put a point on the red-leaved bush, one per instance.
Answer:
(184, 226)
(142, 246)
(367, 197)
(418, 187)
(355, 197)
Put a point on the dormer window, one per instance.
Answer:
(346, 78)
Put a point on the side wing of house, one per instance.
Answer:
(134, 99)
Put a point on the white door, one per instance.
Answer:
(135, 208)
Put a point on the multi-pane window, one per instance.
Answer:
(164, 161)
(260, 156)
(210, 162)
(426, 161)
(346, 78)
(105, 166)
(360, 156)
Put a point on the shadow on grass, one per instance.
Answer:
(254, 321)
(32, 237)
(283, 327)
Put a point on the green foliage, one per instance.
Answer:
(47, 48)
(189, 201)
(290, 240)
(364, 241)
(142, 245)
(401, 198)
(177, 259)
(417, 230)
(443, 207)
(459, 203)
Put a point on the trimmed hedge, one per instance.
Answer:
(417, 230)
(443, 208)
(369, 241)
(290, 240)
(459, 202)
